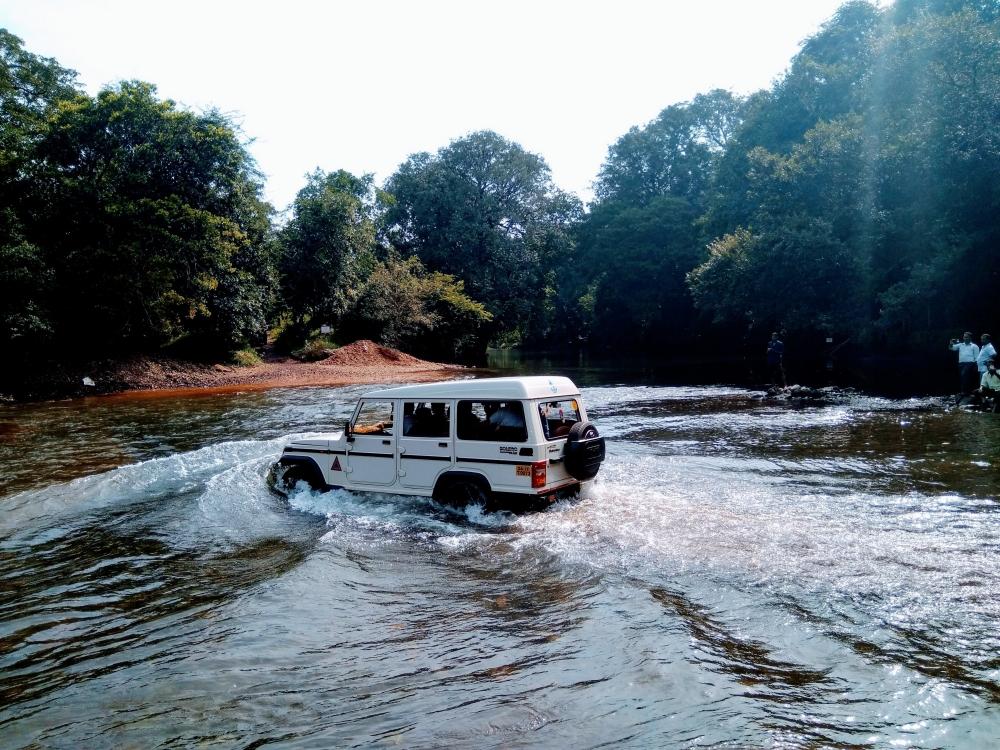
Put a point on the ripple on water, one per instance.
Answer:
(741, 574)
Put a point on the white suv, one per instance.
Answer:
(517, 443)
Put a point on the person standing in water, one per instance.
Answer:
(967, 367)
(776, 360)
(986, 353)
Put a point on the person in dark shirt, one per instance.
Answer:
(776, 360)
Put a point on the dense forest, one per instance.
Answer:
(854, 202)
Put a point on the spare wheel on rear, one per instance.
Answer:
(584, 451)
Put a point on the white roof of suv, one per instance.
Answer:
(543, 386)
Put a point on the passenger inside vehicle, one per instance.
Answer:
(501, 421)
(375, 418)
(428, 419)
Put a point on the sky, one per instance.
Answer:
(362, 85)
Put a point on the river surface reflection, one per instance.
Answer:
(743, 573)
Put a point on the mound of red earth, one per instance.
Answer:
(365, 353)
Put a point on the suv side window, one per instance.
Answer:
(430, 419)
(496, 421)
(374, 418)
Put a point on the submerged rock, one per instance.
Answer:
(804, 394)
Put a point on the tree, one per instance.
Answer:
(401, 305)
(25, 279)
(673, 155)
(30, 89)
(829, 79)
(485, 211)
(161, 232)
(796, 275)
(640, 256)
(642, 237)
(328, 247)
(936, 264)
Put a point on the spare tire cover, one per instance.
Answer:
(584, 451)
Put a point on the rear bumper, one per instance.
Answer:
(539, 500)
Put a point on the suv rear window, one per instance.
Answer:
(558, 417)
(496, 421)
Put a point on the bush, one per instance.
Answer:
(246, 358)
(427, 314)
(316, 348)
(288, 335)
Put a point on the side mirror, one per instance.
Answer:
(347, 430)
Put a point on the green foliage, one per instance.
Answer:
(639, 256)
(402, 305)
(673, 155)
(315, 349)
(872, 165)
(328, 247)
(485, 211)
(30, 87)
(24, 281)
(859, 194)
(246, 358)
(161, 224)
(796, 276)
(125, 216)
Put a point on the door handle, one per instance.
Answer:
(442, 445)
(386, 442)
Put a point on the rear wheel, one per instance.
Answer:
(462, 492)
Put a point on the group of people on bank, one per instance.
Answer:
(977, 368)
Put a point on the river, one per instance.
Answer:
(742, 574)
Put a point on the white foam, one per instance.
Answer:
(181, 472)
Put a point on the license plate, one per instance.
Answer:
(523, 471)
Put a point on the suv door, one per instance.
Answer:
(371, 447)
(425, 445)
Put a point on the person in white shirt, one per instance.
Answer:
(989, 386)
(986, 353)
(968, 369)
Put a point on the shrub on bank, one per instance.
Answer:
(316, 348)
(246, 358)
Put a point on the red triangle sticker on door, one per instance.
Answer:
(336, 464)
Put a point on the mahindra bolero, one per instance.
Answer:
(518, 443)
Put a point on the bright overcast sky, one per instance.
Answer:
(361, 85)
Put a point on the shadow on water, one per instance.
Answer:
(918, 649)
(748, 661)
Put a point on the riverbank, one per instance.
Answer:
(360, 362)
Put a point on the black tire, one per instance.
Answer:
(284, 477)
(463, 492)
(584, 451)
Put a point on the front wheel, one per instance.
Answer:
(283, 478)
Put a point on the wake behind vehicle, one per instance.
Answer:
(519, 443)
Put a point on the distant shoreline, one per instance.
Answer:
(156, 377)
